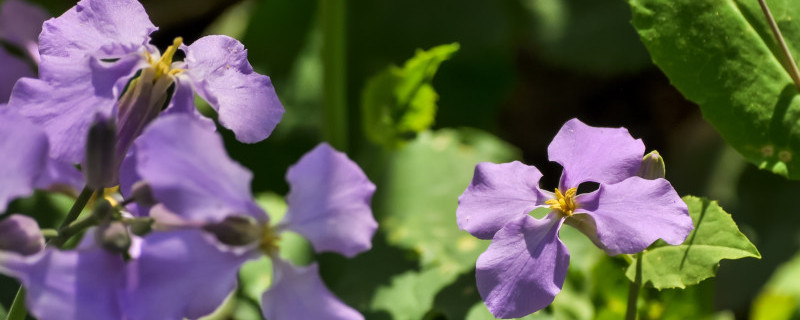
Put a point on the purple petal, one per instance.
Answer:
(190, 173)
(127, 177)
(180, 274)
(20, 25)
(66, 109)
(629, 216)
(498, 194)
(92, 29)
(299, 293)
(602, 155)
(70, 285)
(524, 267)
(23, 147)
(329, 202)
(60, 176)
(20, 234)
(14, 68)
(245, 100)
(182, 102)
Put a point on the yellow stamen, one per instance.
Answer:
(564, 202)
(163, 64)
(269, 240)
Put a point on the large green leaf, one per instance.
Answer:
(715, 237)
(780, 297)
(398, 103)
(721, 55)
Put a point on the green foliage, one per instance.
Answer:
(715, 237)
(780, 297)
(722, 55)
(398, 103)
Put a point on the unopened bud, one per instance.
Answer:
(235, 230)
(20, 234)
(141, 226)
(99, 167)
(653, 166)
(142, 194)
(113, 236)
(102, 210)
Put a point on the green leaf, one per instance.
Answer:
(398, 103)
(780, 297)
(411, 294)
(715, 237)
(721, 55)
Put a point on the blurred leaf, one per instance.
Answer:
(587, 36)
(411, 294)
(715, 237)
(721, 55)
(234, 21)
(780, 296)
(480, 312)
(398, 103)
(255, 277)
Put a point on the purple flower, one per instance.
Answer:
(191, 176)
(20, 24)
(526, 264)
(25, 165)
(96, 59)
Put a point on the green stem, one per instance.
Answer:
(633, 290)
(77, 207)
(792, 66)
(332, 21)
(73, 229)
(17, 310)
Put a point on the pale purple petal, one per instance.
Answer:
(20, 25)
(524, 267)
(245, 100)
(14, 68)
(70, 285)
(127, 177)
(60, 176)
(602, 155)
(299, 293)
(182, 102)
(190, 173)
(20, 234)
(180, 274)
(67, 109)
(23, 155)
(629, 216)
(498, 194)
(329, 202)
(92, 29)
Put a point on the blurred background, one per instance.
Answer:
(524, 67)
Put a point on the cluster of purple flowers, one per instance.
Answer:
(526, 264)
(109, 101)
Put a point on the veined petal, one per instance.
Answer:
(524, 267)
(23, 147)
(329, 202)
(66, 109)
(299, 293)
(14, 68)
(71, 285)
(245, 100)
(60, 176)
(602, 155)
(20, 25)
(190, 173)
(92, 29)
(628, 216)
(180, 274)
(498, 194)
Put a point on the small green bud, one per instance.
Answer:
(653, 166)
(235, 230)
(141, 226)
(142, 194)
(102, 210)
(113, 236)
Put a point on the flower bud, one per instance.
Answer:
(141, 226)
(142, 194)
(235, 230)
(113, 236)
(99, 167)
(653, 166)
(20, 234)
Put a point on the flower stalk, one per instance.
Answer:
(335, 115)
(633, 290)
(791, 66)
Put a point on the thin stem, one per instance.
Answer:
(18, 311)
(73, 229)
(49, 233)
(793, 72)
(77, 207)
(332, 20)
(633, 290)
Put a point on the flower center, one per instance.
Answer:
(564, 202)
(269, 240)
(162, 65)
